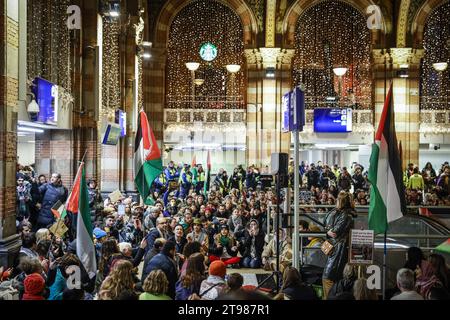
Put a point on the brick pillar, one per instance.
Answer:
(264, 96)
(9, 96)
(254, 70)
(154, 84)
(406, 100)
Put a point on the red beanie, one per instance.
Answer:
(218, 268)
(34, 284)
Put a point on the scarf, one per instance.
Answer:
(224, 240)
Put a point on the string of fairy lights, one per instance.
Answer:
(111, 67)
(48, 42)
(200, 22)
(342, 28)
(436, 42)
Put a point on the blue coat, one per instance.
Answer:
(50, 194)
(168, 266)
(171, 174)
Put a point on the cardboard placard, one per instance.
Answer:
(115, 196)
(361, 247)
(58, 228)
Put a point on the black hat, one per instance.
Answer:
(225, 226)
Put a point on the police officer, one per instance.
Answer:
(185, 181)
(201, 178)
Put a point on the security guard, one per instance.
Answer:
(201, 178)
(185, 181)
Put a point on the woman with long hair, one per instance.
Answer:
(294, 288)
(155, 286)
(189, 249)
(120, 279)
(338, 224)
(190, 282)
(439, 276)
(362, 292)
(429, 176)
(109, 248)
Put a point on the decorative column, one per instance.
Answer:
(154, 95)
(406, 101)
(386, 67)
(9, 96)
(254, 74)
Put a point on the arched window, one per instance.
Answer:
(205, 30)
(328, 35)
(435, 84)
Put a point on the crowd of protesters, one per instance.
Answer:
(181, 245)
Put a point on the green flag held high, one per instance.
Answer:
(147, 158)
(387, 194)
(208, 175)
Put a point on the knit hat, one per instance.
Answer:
(218, 268)
(34, 284)
(197, 221)
(99, 233)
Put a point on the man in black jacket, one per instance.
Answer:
(313, 176)
(165, 262)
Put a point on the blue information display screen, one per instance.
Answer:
(47, 98)
(332, 120)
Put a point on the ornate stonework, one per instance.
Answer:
(380, 56)
(402, 23)
(270, 23)
(405, 56)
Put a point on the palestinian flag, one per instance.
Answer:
(79, 203)
(194, 170)
(208, 174)
(147, 158)
(387, 196)
(444, 247)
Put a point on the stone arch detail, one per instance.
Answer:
(172, 7)
(420, 19)
(300, 6)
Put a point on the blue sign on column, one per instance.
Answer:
(298, 109)
(286, 113)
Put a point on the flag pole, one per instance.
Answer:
(384, 264)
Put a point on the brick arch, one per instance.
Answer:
(172, 7)
(420, 19)
(300, 6)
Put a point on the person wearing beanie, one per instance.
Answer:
(215, 285)
(225, 248)
(34, 285)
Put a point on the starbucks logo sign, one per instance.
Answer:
(208, 51)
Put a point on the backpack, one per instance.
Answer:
(9, 290)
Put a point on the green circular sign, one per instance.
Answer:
(208, 51)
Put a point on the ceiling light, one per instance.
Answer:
(199, 82)
(146, 44)
(331, 145)
(440, 66)
(192, 66)
(25, 129)
(146, 55)
(340, 71)
(233, 68)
